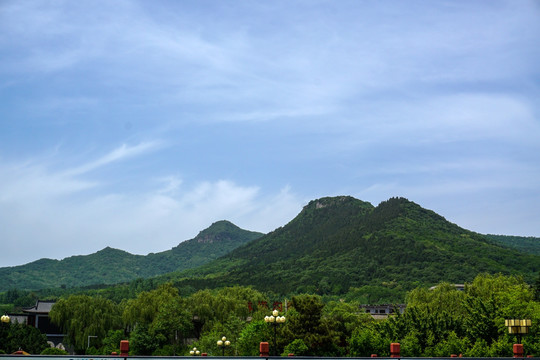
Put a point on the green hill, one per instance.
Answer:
(340, 245)
(111, 266)
(529, 245)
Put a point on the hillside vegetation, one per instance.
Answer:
(163, 322)
(528, 245)
(112, 266)
(336, 247)
(338, 253)
(342, 245)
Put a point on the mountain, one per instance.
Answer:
(111, 266)
(337, 245)
(529, 245)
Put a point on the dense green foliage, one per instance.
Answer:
(112, 266)
(436, 323)
(16, 299)
(335, 255)
(445, 321)
(337, 247)
(54, 351)
(530, 245)
(14, 337)
(340, 246)
(537, 288)
(158, 318)
(384, 252)
(81, 316)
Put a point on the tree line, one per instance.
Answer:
(437, 322)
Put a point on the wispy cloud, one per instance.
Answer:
(259, 104)
(50, 211)
(118, 154)
(36, 178)
(276, 72)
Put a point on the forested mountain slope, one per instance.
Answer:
(529, 244)
(339, 244)
(111, 266)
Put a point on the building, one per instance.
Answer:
(38, 317)
(382, 311)
(459, 287)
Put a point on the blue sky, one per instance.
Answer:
(136, 124)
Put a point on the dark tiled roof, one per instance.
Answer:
(42, 307)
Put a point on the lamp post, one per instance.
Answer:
(194, 352)
(5, 327)
(89, 337)
(518, 327)
(275, 319)
(223, 343)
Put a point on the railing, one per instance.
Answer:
(118, 357)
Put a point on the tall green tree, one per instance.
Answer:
(217, 306)
(537, 288)
(251, 336)
(82, 316)
(481, 321)
(343, 318)
(157, 317)
(15, 337)
(225, 312)
(367, 340)
(305, 321)
(443, 297)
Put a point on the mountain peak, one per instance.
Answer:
(110, 265)
(219, 231)
(329, 201)
(109, 251)
(333, 206)
(398, 242)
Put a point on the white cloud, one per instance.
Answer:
(251, 69)
(431, 121)
(475, 116)
(415, 99)
(287, 74)
(50, 212)
(118, 154)
(34, 182)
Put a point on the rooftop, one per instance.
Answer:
(42, 307)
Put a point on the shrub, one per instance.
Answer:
(54, 351)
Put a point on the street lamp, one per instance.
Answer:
(194, 352)
(5, 319)
(275, 319)
(223, 343)
(89, 337)
(518, 327)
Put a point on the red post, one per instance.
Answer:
(124, 348)
(264, 348)
(395, 350)
(518, 350)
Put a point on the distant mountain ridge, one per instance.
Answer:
(112, 266)
(339, 244)
(335, 245)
